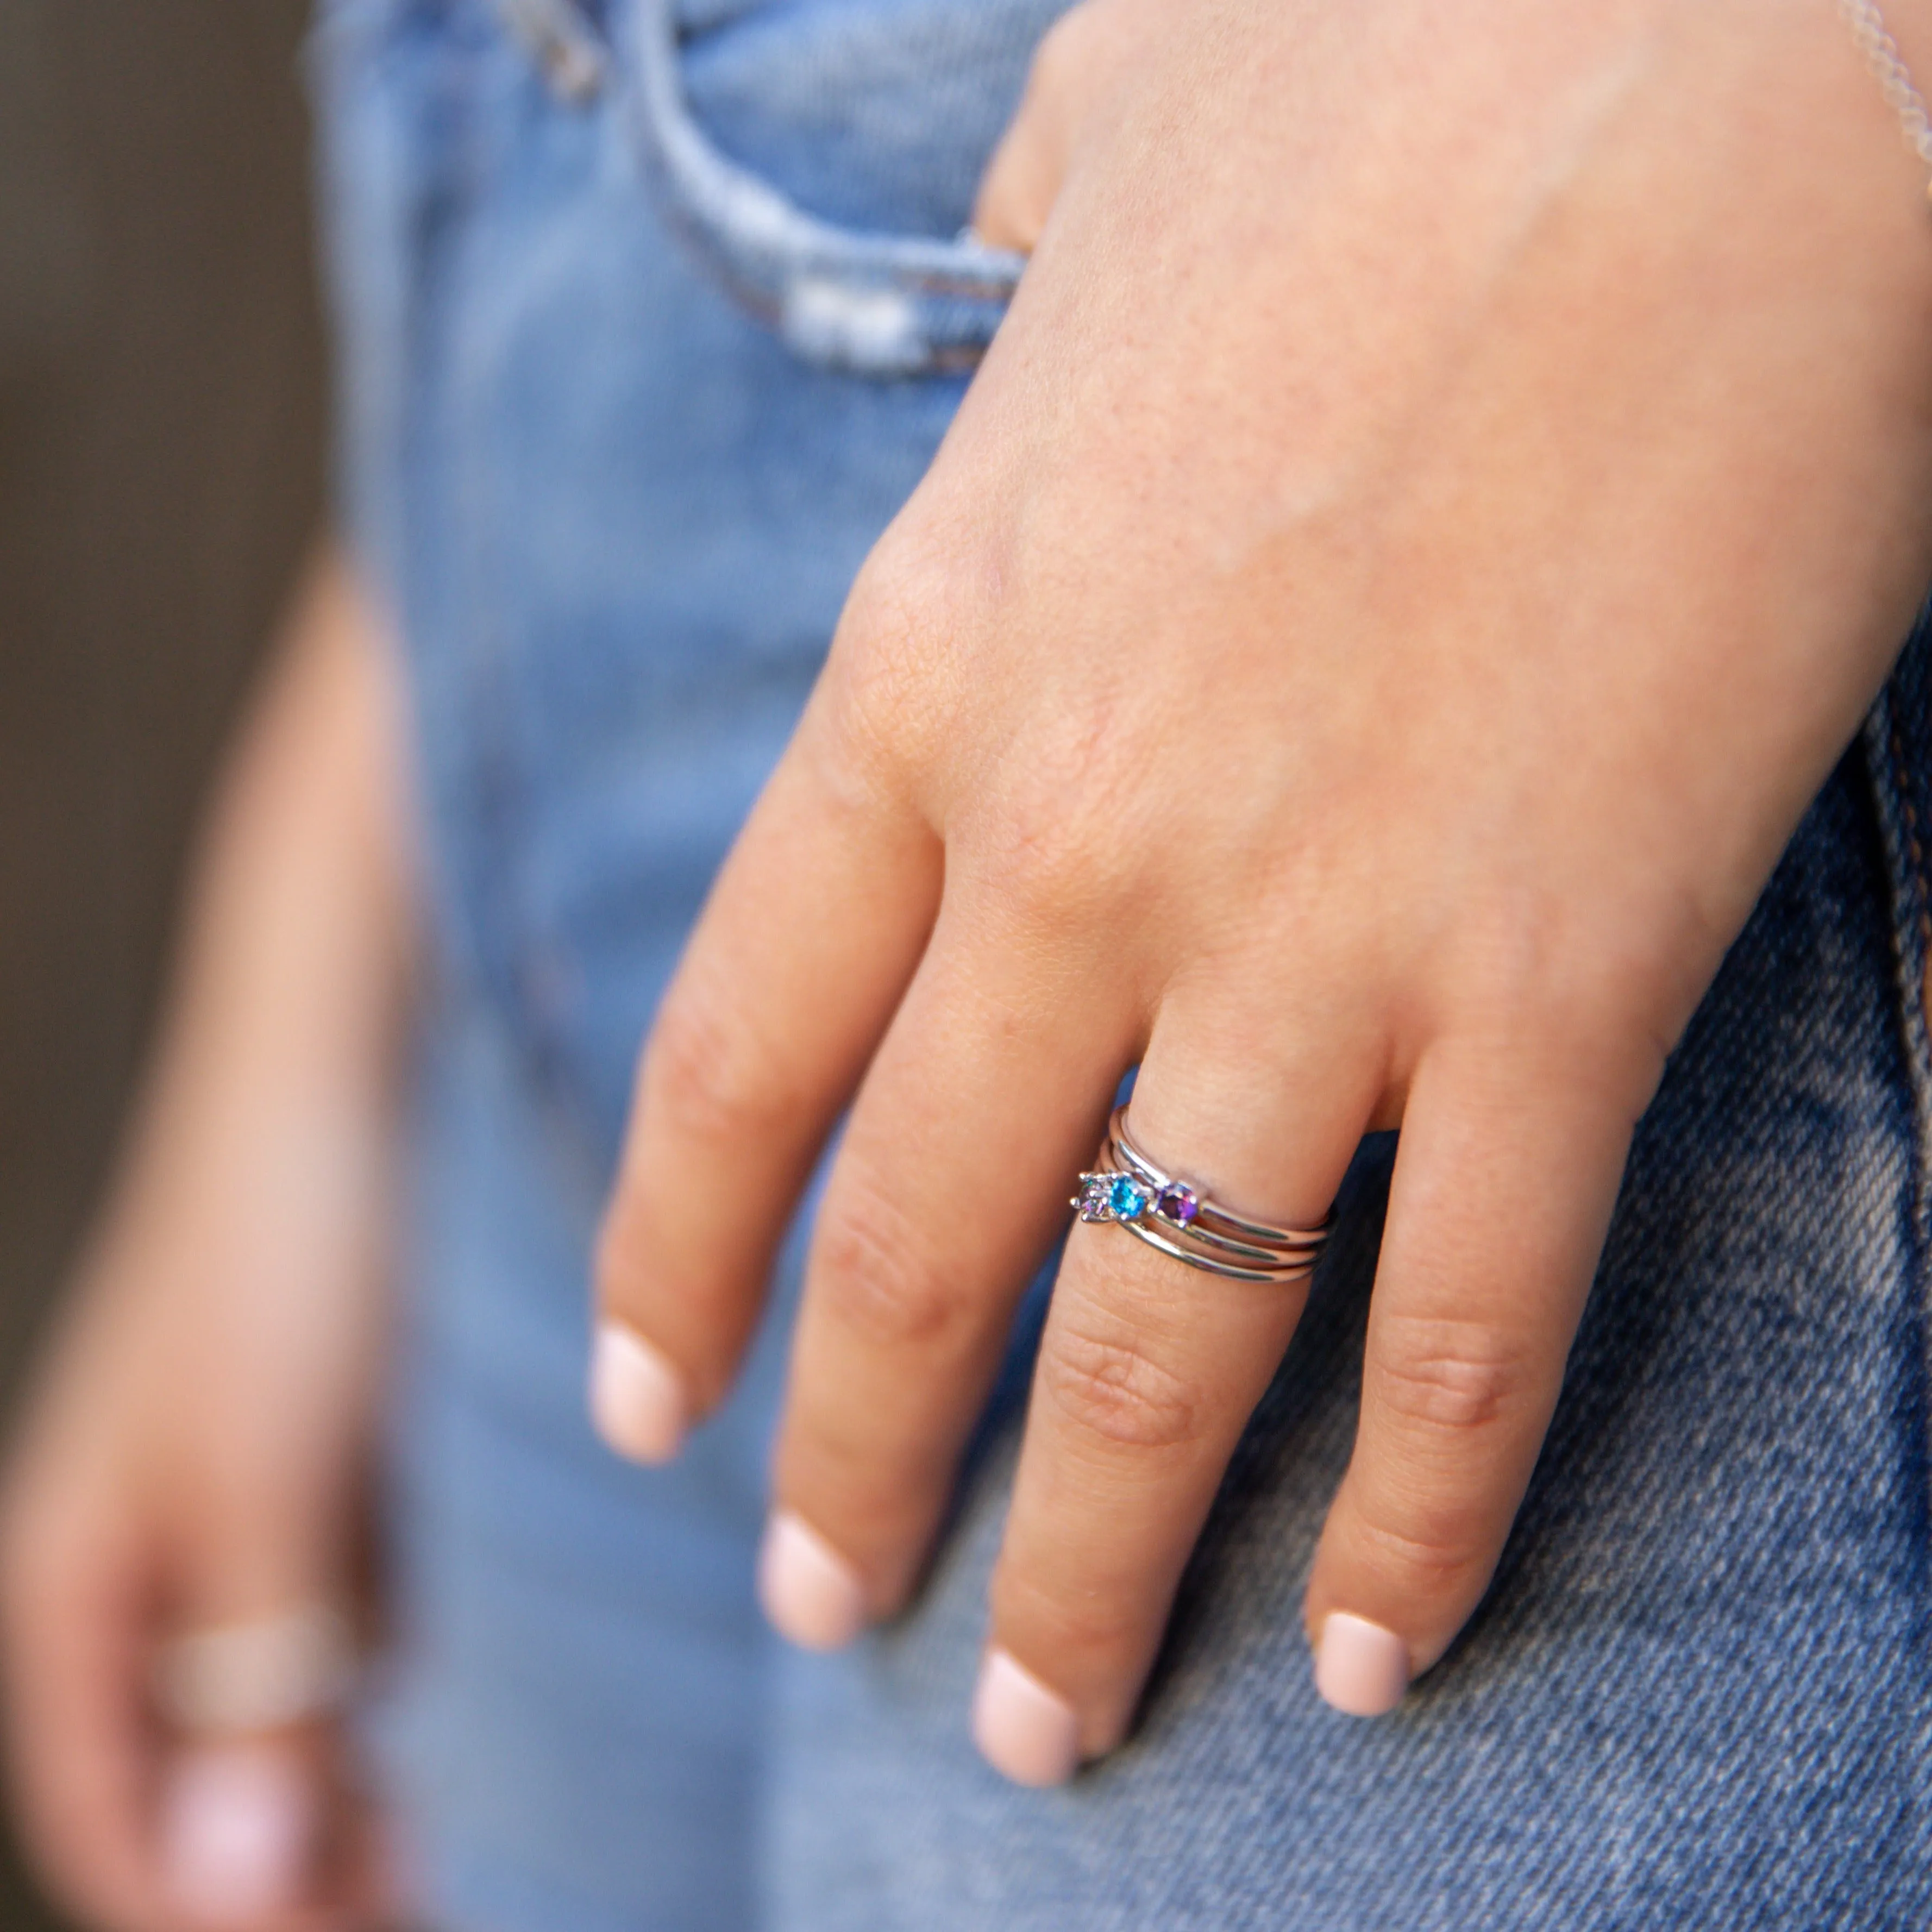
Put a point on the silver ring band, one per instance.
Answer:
(232, 1679)
(1174, 1217)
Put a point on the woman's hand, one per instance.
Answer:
(197, 1456)
(1451, 483)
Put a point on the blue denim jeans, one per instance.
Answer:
(652, 314)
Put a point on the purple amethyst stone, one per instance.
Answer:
(1179, 1203)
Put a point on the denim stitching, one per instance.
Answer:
(1898, 747)
(879, 305)
(1892, 763)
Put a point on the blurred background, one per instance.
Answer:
(162, 411)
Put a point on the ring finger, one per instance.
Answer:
(1148, 1372)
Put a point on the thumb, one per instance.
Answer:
(1022, 180)
(1088, 51)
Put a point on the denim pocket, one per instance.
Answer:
(829, 93)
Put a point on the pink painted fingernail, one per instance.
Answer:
(236, 1828)
(1023, 1730)
(637, 1399)
(811, 1594)
(1360, 1667)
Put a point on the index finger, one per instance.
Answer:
(811, 932)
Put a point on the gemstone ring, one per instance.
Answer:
(1176, 1217)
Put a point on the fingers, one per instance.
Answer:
(1016, 193)
(1022, 179)
(1086, 51)
(952, 1182)
(1148, 1371)
(235, 1822)
(811, 932)
(248, 1656)
(255, 1822)
(1507, 1172)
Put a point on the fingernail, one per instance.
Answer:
(235, 1829)
(637, 1399)
(1360, 1667)
(811, 1594)
(1022, 1729)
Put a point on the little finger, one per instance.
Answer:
(1504, 1184)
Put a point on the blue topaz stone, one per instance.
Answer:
(1112, 1197)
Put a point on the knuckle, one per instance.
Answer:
(910, 602)
(1111, 1386)
(1430, 1553)
(1461, 1377)
(621, 1257)
(1097, 1627)
(879, 1282)
(708, 1075)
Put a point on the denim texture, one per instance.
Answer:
(865, 288)
(615, 500)
(645, 343)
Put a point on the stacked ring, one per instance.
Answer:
(1174, 1216)
(230, 1679)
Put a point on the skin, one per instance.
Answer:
(1298, 673)
(196, 1453)
(1451, 483)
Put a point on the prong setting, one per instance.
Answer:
(1175, 1217)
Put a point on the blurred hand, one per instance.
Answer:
(1451, 483)
(197, 1456)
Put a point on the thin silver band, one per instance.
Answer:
(1172, 1216)
(232, 1679)
(1264, 1234)
(1210, 1264)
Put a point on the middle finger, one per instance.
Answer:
(949, 1186)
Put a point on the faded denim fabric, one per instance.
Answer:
(631, 384)
(652, 318)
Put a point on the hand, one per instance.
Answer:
(197, 1454)
(1450, 483)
